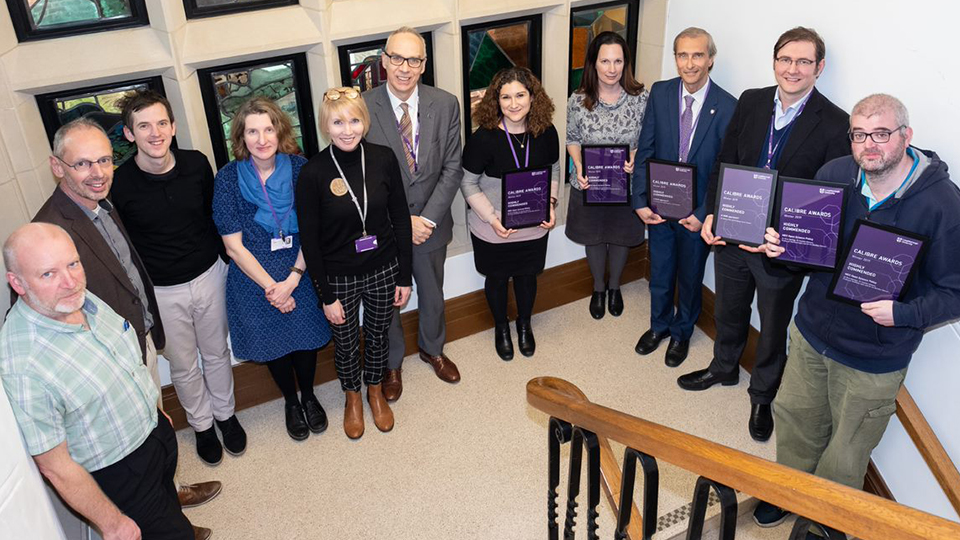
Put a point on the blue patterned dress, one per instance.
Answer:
(258, 331)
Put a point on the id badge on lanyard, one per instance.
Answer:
(284, 242)
(366, 242)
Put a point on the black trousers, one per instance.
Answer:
(141, 485)
(739, 274)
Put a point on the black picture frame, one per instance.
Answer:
(49, 114)
(503, 196)
(633, 20)
(534, 48)
(693, 186)
(842, 262)
(195, 11)
(308, 125)
(770, 199)
(24, 28)
(586, 192)
(344, 52)
(778, 221)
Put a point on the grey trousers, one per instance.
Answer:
(428, 276)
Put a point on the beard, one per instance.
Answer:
(887, 160)
(64, 306)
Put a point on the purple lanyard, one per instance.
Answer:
(772, 148)
(693, 128)
(526, 158)
(416, 142)
(263, 186)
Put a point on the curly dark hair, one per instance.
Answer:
(488, 113)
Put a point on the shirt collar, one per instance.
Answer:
(412, 101)
(90, 308)
(103, 204)
(796, 105)
(699, 94)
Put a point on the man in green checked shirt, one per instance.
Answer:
(83, 399)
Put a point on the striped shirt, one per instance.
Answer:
(87, 387)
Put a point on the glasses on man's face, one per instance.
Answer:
(334, 94)
(878, 137)
(398, 60)
(84, 165)
(802, 63)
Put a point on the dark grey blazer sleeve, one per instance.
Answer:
(438, 205)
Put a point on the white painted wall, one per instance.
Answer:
(904, 49)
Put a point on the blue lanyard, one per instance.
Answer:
(506, 133)
(263, 186)
(416, 142)
(863, 180)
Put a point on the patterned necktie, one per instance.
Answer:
(686, 127)
(406, 132)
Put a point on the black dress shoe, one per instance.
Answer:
(315, 415)
(234, 437)
(597, 302)
(649, 341)
(525, 341)
(676, 352)
(703, 379)
(503, 341)
(296, 423)
(761, 421)
(615, 302)
(208, 446)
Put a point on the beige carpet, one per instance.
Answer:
(468, 460)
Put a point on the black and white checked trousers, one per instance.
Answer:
(375, 290)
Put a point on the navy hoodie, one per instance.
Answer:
(841, 332)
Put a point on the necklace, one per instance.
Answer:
(522, 142)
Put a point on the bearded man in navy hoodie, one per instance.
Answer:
(846, 363)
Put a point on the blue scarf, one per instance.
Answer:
(279, 187)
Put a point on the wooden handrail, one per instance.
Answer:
(843, 508)
(928, 444)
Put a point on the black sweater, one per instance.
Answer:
(330, 224)
(170, 217)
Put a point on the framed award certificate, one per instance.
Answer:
(525, 197)
(603, 168)
(879, 263)
(744, 200)
(671, 188)
(809, 220)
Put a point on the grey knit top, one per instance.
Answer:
(617, 123)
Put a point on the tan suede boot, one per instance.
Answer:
(382, 415)
(353, 415)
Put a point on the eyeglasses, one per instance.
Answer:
(84, 165)
(334, 94)
(878, 137)
(802, 63)
(398, 60)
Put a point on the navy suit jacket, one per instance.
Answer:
(660, 136)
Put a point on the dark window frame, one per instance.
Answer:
(534, 52)
(308, 124)
(20, 17)
(343, 54)
(633, 24)
(194, 11)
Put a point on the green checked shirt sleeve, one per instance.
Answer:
(87, 387)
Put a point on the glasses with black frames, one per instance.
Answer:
(878, 137)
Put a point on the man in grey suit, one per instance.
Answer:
(422, 126)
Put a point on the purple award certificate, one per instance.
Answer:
(603, 168)
(809, 222)
(879, 264)
(525, 197)
(671, 188)
(744, 199)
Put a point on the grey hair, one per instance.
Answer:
(879, 103)
(412, 31)
(694, 32)
(59, 139)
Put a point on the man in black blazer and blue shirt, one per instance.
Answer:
(681, 124)
(794, 129)
(422, 126)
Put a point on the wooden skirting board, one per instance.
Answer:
(468, 314)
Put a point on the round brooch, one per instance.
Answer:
(338, 187)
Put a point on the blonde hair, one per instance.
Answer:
(341, 106)
(286, 141)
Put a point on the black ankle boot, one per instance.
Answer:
(503, 341)
(525, 340)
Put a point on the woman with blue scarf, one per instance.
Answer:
(273, 317)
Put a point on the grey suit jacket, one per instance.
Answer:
(430, 191)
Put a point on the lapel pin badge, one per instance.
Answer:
(712, 111)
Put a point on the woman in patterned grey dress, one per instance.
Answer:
(607, 109)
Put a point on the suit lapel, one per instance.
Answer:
(384, 116)
(806, 123)
(428, 131)
(673, 120)
(707, 113)
(759, 124)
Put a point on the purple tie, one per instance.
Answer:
(686, 127)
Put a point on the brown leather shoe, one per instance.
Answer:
(392, 385)
(445, 369)
(382, 415)
(353, 415)
(191, 495)
(201, 533)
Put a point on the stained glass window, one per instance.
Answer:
(210, 8)
(283, 80)
(490, 47)
(38, 19)
(360, 65)
(98, 103)
(586, 22)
